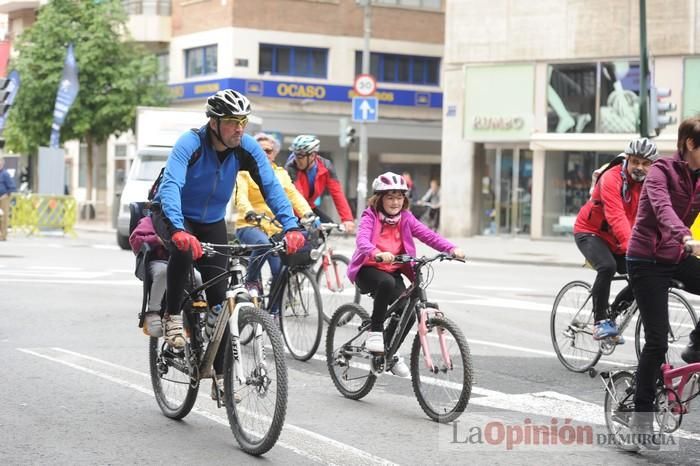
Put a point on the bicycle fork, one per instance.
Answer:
(423, 337)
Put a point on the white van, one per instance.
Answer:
(143, 173)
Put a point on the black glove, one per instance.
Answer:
(250, 216)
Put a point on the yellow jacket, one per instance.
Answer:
(248, 197)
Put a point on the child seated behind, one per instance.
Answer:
(145, 233)
(387, 229)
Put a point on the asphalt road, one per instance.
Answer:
(76, 387)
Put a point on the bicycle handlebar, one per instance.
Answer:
(406, 259)
(211, 249)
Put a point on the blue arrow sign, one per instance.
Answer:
(365, 109)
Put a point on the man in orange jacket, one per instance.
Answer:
(604, 225)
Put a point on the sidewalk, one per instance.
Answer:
(500, 249)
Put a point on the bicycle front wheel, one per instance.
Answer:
(175, 390)
(335, 286)
(348, 361)
(619, 409)
(681, 321)
(443, 388)
(256, 404)
(301, 318)
(571, 327)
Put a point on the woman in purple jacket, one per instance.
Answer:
(658, 252)
(386, 230)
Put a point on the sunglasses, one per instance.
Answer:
(242, 121)
(299, 155)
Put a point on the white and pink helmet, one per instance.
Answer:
(389, 181)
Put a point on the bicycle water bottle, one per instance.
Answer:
(212, 317)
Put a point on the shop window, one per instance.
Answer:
(578, 104)
(293, 61)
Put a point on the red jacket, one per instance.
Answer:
(325, 179)
(606, 214)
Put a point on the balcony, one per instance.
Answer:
(11, 6)
(149, 20)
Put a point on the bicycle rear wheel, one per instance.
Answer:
(348, 363)
(442, 390)
(301, 318)
(257, 419)
(335, 286)
(175, 390)
(619, 409)
(571, 327)
(681, 320)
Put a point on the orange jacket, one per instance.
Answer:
(606, 214)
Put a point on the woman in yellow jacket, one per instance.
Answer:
(250, 201)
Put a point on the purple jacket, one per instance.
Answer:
(410, 226)
(669, 203)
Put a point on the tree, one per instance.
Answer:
(115, 75)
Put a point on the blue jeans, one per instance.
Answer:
(254, 235)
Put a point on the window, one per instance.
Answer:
(593, 97)
(404, 69)
(200, 61)
(293, 61)
(426, 4)
(163, 66)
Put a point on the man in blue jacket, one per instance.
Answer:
(190, 204)
(7, 187)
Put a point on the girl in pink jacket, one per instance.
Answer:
(387, 229)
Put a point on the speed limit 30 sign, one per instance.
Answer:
(365, 84)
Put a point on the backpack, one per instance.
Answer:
(598, 173)
(193, 159)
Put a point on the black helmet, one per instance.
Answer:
(228, 103)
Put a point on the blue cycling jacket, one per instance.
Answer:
(200, 192)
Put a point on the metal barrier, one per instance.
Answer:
(33, 212)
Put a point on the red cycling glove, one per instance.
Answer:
(294, 241)
(187, 242)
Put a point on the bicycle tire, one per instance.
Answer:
(680, 328)
(337, 337)
(174, 406)
(439, 412)
(301, 325)
(575, 329)
(332, 297)
(619, 409)
(255, 441)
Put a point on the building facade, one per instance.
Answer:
(539, 94)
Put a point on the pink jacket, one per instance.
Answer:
(146, 233)
(410, 226)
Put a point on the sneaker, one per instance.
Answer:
(619, 340)
(375, 342)
(604, 329)
(400, 369)
(217, 391)
(691, 353)
(174, 332)
(643, 435)
(152, 324)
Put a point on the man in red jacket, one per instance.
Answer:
(604, 225)
(313, 175)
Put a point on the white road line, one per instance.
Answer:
(73, 282)
(296, 435)
(39, 267)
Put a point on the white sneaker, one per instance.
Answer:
(375, 342)
(152, 325)
(174, 332)
(400, 369)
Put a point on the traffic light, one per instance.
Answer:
(658, 109)
(346, 136)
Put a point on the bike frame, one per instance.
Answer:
(685, 374)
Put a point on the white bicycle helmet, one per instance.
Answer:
(643, 148)
(305, 144)
(389, 181)
(228, 103)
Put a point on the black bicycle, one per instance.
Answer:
(293, 298)
(441, 367)
(255, 375)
